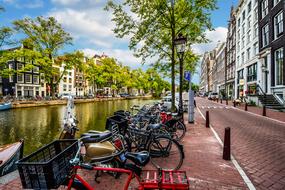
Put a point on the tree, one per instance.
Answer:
(47, 37)
(157, 23)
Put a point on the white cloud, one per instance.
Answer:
(31, 4)
(215, 36)
(65, 2)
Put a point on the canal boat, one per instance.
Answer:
(9, 155)
(5, 106)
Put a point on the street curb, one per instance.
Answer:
(234, 161)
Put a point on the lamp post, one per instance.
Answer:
(180, 44)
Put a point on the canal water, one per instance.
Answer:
(40, 125)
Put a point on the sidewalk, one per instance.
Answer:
(203, 162)
(273, 114)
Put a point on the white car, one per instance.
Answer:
(167, 102)
(213, 96)
(65, 96)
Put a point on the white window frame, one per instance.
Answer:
(30, 76)
(265, 35)
(36, 69)
(264, 8)
(22, 76)
(248, 54)
(275, 2)
(36, 81)
(281, 51)
(278, 24)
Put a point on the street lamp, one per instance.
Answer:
(180, 44)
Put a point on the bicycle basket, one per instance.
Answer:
(120, 121)
(49, 166)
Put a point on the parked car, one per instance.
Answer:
(167, 102)
(64, 96)
(124, 95)
(213, 96)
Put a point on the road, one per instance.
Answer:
(258, 143)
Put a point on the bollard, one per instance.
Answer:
(221, 100)
(217, 100)
(227, 144)
(264, 111)
(195, 103)
(245, 106)
(207, 119)
(227, 102)
(234, 102)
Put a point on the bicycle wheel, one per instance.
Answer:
(180, 130)
(166, 153)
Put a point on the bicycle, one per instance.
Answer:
(159, 144)
(69, 158)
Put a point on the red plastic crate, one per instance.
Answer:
(153, 179)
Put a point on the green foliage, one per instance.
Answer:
(153, 25)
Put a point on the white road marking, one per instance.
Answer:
(236, 164)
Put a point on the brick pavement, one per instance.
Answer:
(258, 143)
(203, 162)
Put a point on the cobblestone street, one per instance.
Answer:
(258, 143)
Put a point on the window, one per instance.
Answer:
(20, 78)
(238, 61)
(265, 35)
(278, 25)
(238, 35)
(255, 34)
(249, 7)
(255, 15)
(242, 58)
(69, 87)
(251, 72)
(240, 75)
(239, 22)
(19, 66)
(70, 74)
(36, 79)
(248, 54)
(243, 15)
(249, 23)
(64, 87)
(242, 42)
(243, 29)
(264, 8)
(28, 78)
(238, 46)
(255, 48)
(36, 69)
(69, 80)
(64, 79)
(279, 65)
(275, 2)
(248, 36)
(11, 76)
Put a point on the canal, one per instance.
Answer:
(40, 125)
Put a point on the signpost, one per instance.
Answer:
(187, 76)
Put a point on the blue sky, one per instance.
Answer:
(91, 26)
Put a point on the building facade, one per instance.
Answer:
(272, 44)
(248, 66)
(66, 84)
(204, 75)
(230, 60)
(219, 69)
(22, 84)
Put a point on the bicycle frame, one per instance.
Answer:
(88, 186)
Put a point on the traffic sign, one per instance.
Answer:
(187, 75)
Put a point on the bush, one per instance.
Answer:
(251, 103)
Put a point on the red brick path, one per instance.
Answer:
(258, 143)
(203, 162)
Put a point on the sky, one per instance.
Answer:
(91, 26)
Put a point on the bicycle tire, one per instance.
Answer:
(180, 130)
(166, 153)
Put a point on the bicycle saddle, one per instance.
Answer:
(174, 114)
(153, 126)
(97, 137)
(139, 158)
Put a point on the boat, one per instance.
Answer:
(5, 106)
(9, 155)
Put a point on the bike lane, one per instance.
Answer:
(258, 143)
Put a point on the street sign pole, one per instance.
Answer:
(190, 102)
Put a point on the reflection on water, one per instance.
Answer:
(40, 125)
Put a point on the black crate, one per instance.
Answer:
(49, 166)
(120, 121)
